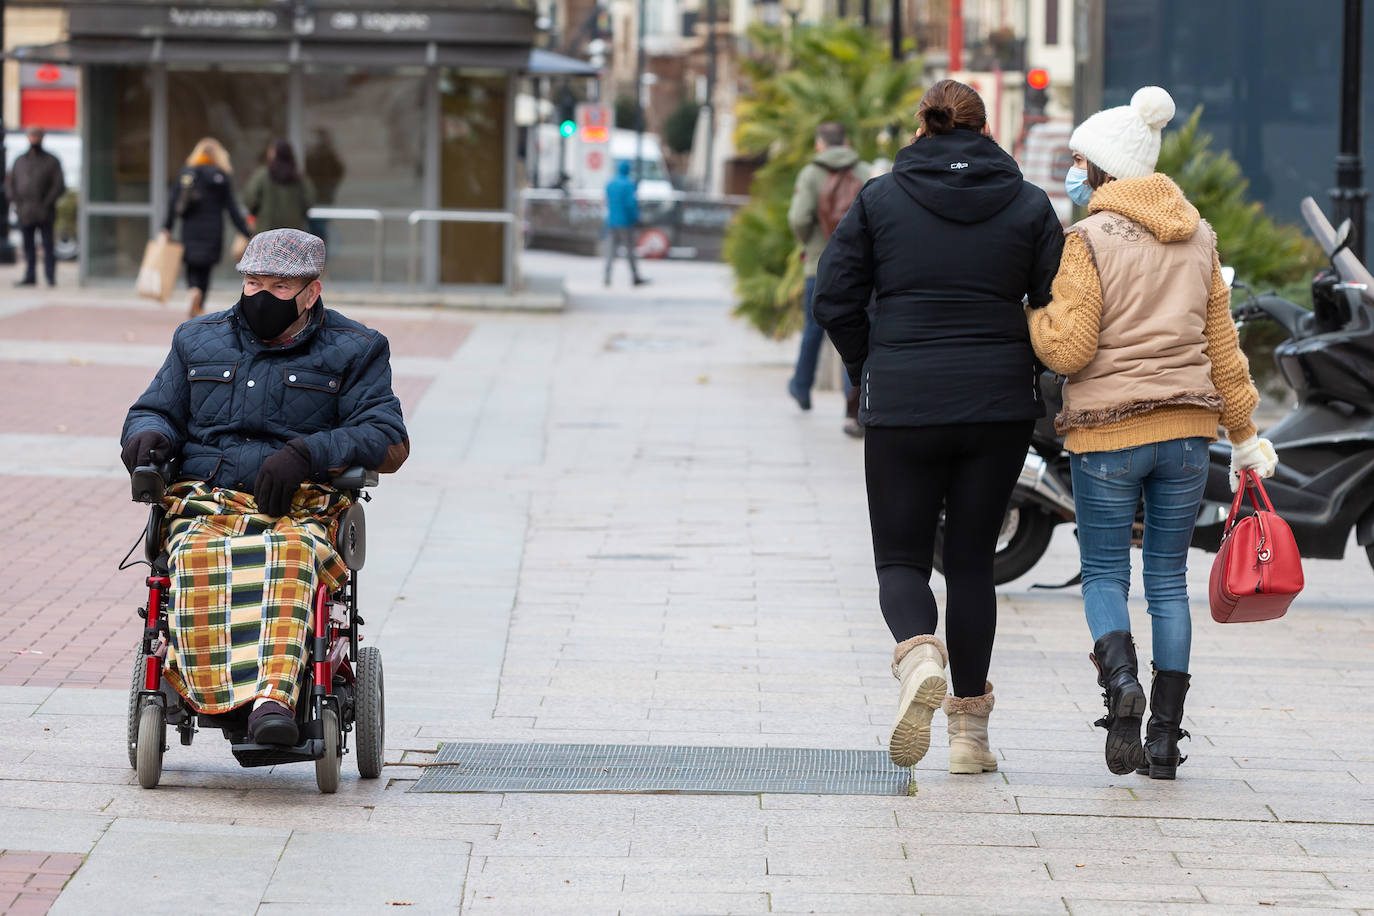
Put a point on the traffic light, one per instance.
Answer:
(567, 128)
(1037, 91)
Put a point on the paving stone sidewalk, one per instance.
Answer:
(615, 527)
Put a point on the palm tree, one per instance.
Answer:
(798, 78)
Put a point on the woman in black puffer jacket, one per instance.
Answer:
(202, 193)
(947, 245)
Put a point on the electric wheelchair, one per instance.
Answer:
(343, 689)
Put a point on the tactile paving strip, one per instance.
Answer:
(481, 767)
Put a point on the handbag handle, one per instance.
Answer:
(1248, 479)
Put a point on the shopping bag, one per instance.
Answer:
(157, 275)
(1258, 570)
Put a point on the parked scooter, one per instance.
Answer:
(1324, 485)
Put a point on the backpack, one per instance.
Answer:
(838, 192)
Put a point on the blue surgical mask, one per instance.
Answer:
(1076, 184)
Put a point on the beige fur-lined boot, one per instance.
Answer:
(919, 663)
(968, 733)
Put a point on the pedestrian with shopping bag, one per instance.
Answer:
(946, 246)
(201, 195)
(1140, 323)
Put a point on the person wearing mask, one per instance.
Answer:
(947, 245)
(262, 402)
(278, 195)
(34, 185)
(622, 215)
(1140, 323)
(201, 195)
(825, 188)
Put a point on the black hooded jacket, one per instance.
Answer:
(945, 247)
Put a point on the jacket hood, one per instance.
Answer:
(961, 176)
(1153, 201)
(623, 169)
(837, 157)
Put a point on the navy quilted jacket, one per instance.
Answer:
(227, 401)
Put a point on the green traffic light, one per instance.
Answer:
(568, 128)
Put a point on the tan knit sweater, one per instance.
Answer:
(1065, 333)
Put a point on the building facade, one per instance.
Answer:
(402, 114)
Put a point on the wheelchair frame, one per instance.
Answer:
(332, 674)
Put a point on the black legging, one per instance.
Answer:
(969, 470)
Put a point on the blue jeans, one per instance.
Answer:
(1107, 487)
(813, 335)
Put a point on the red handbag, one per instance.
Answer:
(1258, 570)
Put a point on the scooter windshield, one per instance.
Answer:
(1347, 265)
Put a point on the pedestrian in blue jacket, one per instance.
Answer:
(622, 214)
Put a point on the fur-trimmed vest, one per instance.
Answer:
(1152, 351)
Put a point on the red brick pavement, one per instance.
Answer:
(71, 400)
(31, 881)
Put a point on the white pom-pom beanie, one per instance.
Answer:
(1124, 141)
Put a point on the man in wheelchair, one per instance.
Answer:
(262, 403)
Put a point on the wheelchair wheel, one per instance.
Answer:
(327, 767)
(370, 730)
(135, 685)
(152, 731)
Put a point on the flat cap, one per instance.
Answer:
(283, 253)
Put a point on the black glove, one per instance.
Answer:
(147, 447)
(281, 475)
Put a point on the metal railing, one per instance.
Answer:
(359, 213)
(500, 217)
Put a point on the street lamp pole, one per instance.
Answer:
(896, 30)
(7, 253)
(639, 92)
(1349, 194)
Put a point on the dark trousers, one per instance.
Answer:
(813, 335)
(615, 237)
(31, 253)
(967, 470)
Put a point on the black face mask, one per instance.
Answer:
(267, 316)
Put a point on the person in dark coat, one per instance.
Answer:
(34, 184)
(948, 244)
(263, 403)
(202, 193)
(278, 195)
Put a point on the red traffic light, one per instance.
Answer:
(1039, 78)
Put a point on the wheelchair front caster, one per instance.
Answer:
(152, 729)
(327, 767)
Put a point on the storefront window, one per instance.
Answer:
(114, 246)
(364, 147)
(473, 153)
(244, 110)
(119, 117)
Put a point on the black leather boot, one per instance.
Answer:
(1114, 656)
(1165, 729)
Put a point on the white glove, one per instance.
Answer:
(1254, 454)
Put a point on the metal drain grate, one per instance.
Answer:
(479, 767)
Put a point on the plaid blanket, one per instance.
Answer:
(243, 587)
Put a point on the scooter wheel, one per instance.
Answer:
(1026, 536)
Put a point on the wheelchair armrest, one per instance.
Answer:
(149, 481)
(354, 478)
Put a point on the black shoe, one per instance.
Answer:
(640, 281)
(799, 394)
(1162, 735)
(273, 723)
(1114, 656)
(25, 282)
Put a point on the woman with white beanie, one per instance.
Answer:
(1140, 323)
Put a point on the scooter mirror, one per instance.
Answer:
(1228, 276)
(1342, 237)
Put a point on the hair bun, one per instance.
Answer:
(938, 120)
(1154, 105)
